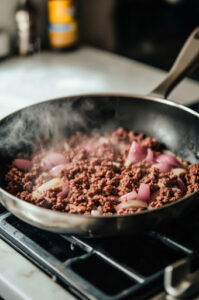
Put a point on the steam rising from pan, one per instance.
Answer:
(26, 128)
(51, 120)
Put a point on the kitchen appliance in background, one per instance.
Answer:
(25, 16)
(63, 26)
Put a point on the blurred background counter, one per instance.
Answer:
(28, 80)
(113, 41)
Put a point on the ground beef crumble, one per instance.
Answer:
(97, 176)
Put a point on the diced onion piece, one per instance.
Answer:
(55, 182)
(169, 159)
(168, 152)
(163, 167)
(67, 146)
(95, 213)
(181, 184)
(53, 159)
(150, 207)
(129, 196)
(150, 156)
(127, 162)
(144, 192)
(178, 171)
(121, 146)
(89, 148)
(136, 153)
(103, 140)
(56, 171)
(42, 176)
(36, 194)
(65, 190)
(131, 204)
(160, 184)
(99, 208)
(72, 206)
(22, 164)
(116, 164)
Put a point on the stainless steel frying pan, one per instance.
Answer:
(175, 125)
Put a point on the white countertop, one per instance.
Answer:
(21, 280)
(28, 80)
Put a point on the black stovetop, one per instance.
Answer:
(108, 268)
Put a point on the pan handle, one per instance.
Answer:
(186, 62)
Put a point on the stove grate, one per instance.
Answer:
(109, 268)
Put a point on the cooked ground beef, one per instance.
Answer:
(94, 173)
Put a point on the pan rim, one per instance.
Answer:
(64, 214)
(149, 97)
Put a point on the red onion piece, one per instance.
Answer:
(53, 183)
(129, 196)
(73, 207)
(95, 213)
(131, 204)
(53, 159)
(56, 171)
(66, 146)
(22, 164)
(136, 153)
(65, 190)
(127, 163)
(89, 148)
(103, 140)
(150, 156)
(170, 159)
(181, 184)
(178, 171)
(144, 192)
(163, 167)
